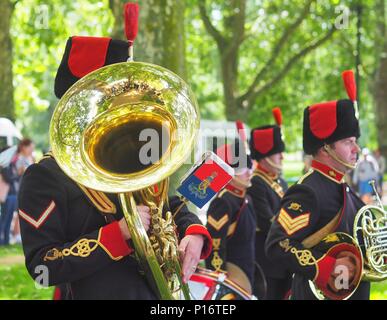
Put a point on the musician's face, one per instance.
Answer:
(277, 158)
(275, 162)
(242, 179)
(347, 149)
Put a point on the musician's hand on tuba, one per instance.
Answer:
(145, 216)
(190, 249)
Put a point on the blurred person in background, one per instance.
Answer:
(267, 189)
(231, 221)
(9, 206)
(23, 159)
(366, 170)
(381, 160)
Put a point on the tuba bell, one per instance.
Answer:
(97, 137)
(369, 241)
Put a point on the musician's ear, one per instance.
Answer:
(327, 147)
(319, 151)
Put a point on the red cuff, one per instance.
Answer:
(113, 242)
(199, 229)
(324, 269)
(57, 294)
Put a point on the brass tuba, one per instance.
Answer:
(370, 240)
(96, 137)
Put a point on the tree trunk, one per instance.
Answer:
(7, 108)
(380, 84)
(229, 43)
(380, 97)
(160, 38)
(234, 110)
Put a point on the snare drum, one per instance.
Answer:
(206, 284)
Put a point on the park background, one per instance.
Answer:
(240, 57)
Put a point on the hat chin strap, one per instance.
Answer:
(334, 156)
(273, 165)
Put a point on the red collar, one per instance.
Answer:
(327, 171)
(236, 191)
(266, 172)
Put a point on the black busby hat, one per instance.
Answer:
(86, 54)
(328, 122)
(267, 140)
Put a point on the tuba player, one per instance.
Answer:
(78, 234)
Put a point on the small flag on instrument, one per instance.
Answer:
(206, 179)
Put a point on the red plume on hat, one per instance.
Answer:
(131, 11)
(225, 153)
(277, 114)
(350, 84)
(350, 87)
(241, 130)
(242, 135)
(131, 21)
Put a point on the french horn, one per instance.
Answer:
(96, 138)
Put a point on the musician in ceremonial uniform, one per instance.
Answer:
(231, 222)
(78, 235)
(321, 203)
(266, 191)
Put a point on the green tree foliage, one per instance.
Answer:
(315, 77)
(6, 76)
(40, 29)
(161, 37)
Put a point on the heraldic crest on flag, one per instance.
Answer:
(206, 179)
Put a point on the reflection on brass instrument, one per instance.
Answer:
(102, 132)
(370, 239)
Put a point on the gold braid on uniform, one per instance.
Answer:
(304, 257)
(82, 248)
(216, 261)
(275, 186)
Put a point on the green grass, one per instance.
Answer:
(16, 284)
(379, 291)
(11, 250)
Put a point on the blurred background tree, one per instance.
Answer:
(7, 106)
(161, 37)
(379, 85)
(241, 58)
(39, 32)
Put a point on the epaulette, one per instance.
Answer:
(275, 186)
(301, 180)
(47, 155)
(221, 193)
